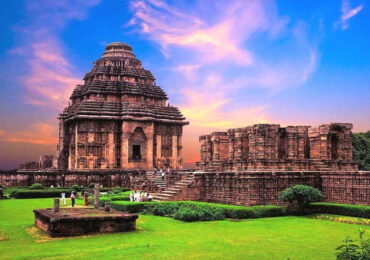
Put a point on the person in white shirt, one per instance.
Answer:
(131, 196)
(64, 199)
(150, 198)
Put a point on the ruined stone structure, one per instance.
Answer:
(119, 118)
(45, 162)
(271, 147)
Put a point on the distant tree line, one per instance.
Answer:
(361, 150)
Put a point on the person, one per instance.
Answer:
(64, 198)
(131, 196)
(154, 172)
(162, 174)
(146, 196)
(73, 199)
(150, 198)
(86, 199)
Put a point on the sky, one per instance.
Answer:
(224, 63)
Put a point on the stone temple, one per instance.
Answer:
(271, 147)
(119, 118)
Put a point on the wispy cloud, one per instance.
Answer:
(50, 77)
(347, 13)
(215, 49)
(40, 133)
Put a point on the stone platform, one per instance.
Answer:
(82, 221)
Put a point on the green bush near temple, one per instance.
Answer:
(36, 186)
(166, 238)
(340, 209)
(26, 193)
(194, 211)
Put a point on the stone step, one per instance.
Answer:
(174, 189)
(169, 192)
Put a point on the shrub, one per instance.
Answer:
(127, 206)
(163, 209)
(75, 187)
(340, 209)
(186, 214)
(349, 250)
(36, 186)
(116, 190)
(301, 196)
(268, 211)
(120, 197)
(22, 193)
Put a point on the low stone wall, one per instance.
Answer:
(260, 188)
(127, 179)
(82, 221)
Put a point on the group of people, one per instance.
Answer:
(72, 199)
(161, 173)
(140, 196)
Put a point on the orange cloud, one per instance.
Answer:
(40, 133)
(51, 79)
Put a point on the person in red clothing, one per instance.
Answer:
(86, 199)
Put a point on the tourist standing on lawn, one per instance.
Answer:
(64, 198)
(73, 199)
(131, 196)
(150, 198)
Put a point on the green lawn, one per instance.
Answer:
(160, 237)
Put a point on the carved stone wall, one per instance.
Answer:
(260, 188)
(135, 180)
(271, 147)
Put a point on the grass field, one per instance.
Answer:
(166, 238)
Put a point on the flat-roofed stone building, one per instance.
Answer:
(271, 147)
(119, 118)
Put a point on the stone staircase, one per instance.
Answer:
(321, 165)
(171, 192)
(157, 179)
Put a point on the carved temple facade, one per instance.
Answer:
(119, 118)
(271, 147)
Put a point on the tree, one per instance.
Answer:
(361, 150)
(301, 196)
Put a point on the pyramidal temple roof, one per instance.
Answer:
(118, 87)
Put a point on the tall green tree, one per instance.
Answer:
(361, 150)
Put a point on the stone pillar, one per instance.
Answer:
(76, 146)
(174, 151)
(216, 148)
(149, 133)
(111, 158)
(231, 145)
(159, 150)
(56, 205)
(96, 196)
(107, 207)
(124, 144)
(239, 146)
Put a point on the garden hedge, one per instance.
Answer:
(340, 209)
(216, 210)
(44, 193)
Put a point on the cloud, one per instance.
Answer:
(212, 40)
(50, 77)
(222, 51)
(347, 13)
(40, 133)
